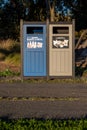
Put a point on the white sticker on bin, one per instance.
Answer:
(34, 42)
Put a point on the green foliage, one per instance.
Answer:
(33, 124)
(14, 10)
(8, 72)
(79, 12)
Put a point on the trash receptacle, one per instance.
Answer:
(34, 50)
(61, 49)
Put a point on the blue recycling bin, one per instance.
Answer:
(34, 50)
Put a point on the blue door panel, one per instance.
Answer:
(35, 65)
(35, 56)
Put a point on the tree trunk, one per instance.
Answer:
(52, 16)
(82, 35)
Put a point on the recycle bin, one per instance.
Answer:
(61, 49)
(34, 50)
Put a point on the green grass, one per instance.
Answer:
(33, 124)
(8, 72)
(10, 51)
(52, 99)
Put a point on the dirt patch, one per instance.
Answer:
(11, 67)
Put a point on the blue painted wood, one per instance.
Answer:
(34, 52)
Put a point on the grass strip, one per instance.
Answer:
(41, 124)
(39, 98)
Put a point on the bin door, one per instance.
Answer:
(60, 50)
(34, 50)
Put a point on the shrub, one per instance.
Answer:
(10, 45)
(14, 58)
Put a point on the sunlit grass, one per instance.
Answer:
(9, 45)
(14, 58)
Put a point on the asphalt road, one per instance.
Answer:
(26, 100)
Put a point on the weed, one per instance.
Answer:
(8, 72)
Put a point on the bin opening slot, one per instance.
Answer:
(60, 30)
(34, 30)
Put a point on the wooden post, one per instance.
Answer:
(47, 50)
(21, 46)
